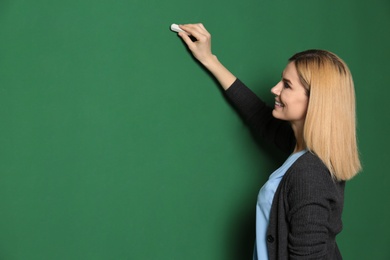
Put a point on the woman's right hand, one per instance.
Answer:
(201, 48)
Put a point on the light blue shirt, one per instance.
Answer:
(264, 203)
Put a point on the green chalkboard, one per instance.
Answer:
(116, 144)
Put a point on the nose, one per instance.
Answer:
(277, 88)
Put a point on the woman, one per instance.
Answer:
(298, 213)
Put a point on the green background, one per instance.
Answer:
(116, 144)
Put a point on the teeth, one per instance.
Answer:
(278, 104)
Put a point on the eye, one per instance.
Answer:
(286, 85)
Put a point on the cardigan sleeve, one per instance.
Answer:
(258, 116)
(315, 203)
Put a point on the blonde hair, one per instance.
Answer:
(330, 124)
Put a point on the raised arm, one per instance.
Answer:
(252, 109)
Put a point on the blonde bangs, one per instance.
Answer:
(330, 125)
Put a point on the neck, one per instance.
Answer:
(298, 132)
(299, 147)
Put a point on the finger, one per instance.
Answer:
(186, 38)
(196, 31)
(202, 29)
(202, 26)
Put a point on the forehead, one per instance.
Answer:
(290, 70)
(290, 73)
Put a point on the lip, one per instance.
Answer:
(278, 104)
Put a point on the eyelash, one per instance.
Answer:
(286, 85)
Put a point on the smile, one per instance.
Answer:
(278, 104)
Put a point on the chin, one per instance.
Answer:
(275, 114)
(278, 115)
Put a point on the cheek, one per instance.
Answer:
(303, 107)
(298, 108)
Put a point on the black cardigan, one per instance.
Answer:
(306, 211)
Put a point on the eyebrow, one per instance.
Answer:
(286, 80)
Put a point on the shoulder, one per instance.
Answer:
(309, 165)
(309, 159)
(309, 175)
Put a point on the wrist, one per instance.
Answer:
(210, 62)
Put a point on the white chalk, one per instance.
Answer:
(176, 28)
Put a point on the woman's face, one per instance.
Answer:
(291, 99)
